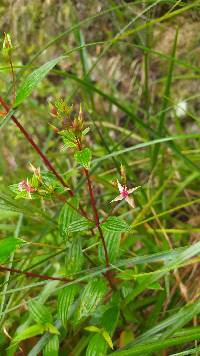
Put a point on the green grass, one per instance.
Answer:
(130, 64)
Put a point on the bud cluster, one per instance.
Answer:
(7, 43)
(73, 129)
(40, 185)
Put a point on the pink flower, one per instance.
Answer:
(124, 194)
(24, 185)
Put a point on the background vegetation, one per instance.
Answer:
(134, 66)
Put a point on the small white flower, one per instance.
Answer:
(124, 194)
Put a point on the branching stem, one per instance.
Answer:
(47, 163)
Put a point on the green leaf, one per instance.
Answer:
(69, 138)
(74, 258)
(67, 215)
(51, 328)
(168, 327)
(174, 263)
(52, 347)
(188, 352)
(65, 301)
(156, 345)
(112, 240)
(79, 225)
(83, 157)
(156, 286)
(31, 331)
(7, 246)
(92, 295)
(108, 339)
(93, 329)
(6, 118)
(33, 79)
(39, 312)
(110, 319)
(115, 224)
(97, 346)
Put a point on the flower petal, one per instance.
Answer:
(120, 187)
(133, 189)
(130, 201)
(119, 197)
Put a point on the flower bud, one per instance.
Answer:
(35, 170)
(123, 174)
(7, 43)
(53, 110)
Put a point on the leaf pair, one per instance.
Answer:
(44, 323)
(90, 298)
(101, 332)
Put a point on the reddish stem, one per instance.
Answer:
(35, 146)
(34, 275)
(96, 217)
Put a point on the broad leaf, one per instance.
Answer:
(107, 337)
(110, 319)
(31, 331)
(74, 258)
(93, 329)
(67, 215)
(33, 79)
(112, 240)
(65, 301)
(39, 312)
(97, 346)
(7, 246)
(83, 157)
(52, 347)
(51, 328)
(115, 224)
(92, 295)
(69, 138)
(80, 224)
